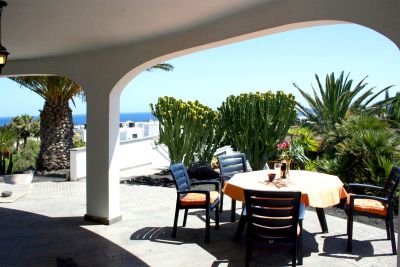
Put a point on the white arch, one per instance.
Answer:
(104, 73)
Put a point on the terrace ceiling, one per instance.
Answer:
(45, 28)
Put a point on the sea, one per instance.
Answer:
(80, 119)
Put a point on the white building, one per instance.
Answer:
(150, 128)
(128, 130)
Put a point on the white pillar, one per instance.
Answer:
(102, 183)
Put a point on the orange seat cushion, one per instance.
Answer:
(369, 205)
(198, 198)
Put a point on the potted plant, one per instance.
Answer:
(290, 152)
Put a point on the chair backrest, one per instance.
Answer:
(180, 175)
(273, 215)
(232, 163)
(391, 183)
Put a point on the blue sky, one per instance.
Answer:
(272, 62)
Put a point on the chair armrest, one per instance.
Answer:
(199, 191)
(216, 183)
(224, 177)
(365, 186)
(302, 210)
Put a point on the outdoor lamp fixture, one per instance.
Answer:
(3, 51)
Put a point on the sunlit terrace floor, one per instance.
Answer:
(46, 228)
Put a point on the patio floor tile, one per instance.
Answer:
(46, 228)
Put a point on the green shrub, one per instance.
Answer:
(366, 150)
(26, 157)
(305, 138)
(310, 165)
(78, 141)
(391, 112)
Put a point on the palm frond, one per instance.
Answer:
(161, 66)
(51, 88)
(336, 100)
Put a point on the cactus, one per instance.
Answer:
(186, 128)
(214, 137)
(256, 122)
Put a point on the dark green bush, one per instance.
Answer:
(26, 157)
(365, 150)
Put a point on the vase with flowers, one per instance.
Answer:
(290, 152)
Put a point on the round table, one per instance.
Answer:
(318, 190)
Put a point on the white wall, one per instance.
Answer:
(77, 163)
(160, 155)
(133, 153)
(152, 130)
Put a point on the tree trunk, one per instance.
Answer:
(56, 132)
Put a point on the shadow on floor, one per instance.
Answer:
(29, 239)
(224, 248)
(335, 246)
(149, 181)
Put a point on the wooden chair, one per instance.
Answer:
(274, 217)
(229, 165)
(374, 206)
(194, 199)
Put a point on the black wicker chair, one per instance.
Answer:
(274, 217)
(194, 199)
(374, 206)
(229, 165)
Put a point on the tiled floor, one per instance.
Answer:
(46, 228)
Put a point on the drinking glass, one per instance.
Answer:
(277, 168)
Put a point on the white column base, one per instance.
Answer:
(101, 220)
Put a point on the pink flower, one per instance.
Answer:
(284, 145)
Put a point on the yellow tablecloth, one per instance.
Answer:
(318, 190)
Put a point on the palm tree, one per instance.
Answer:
(25, 126)
(337, 99)
(391, 112)
(394, 108)
(56, 127)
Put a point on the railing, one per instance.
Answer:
(132, 153)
